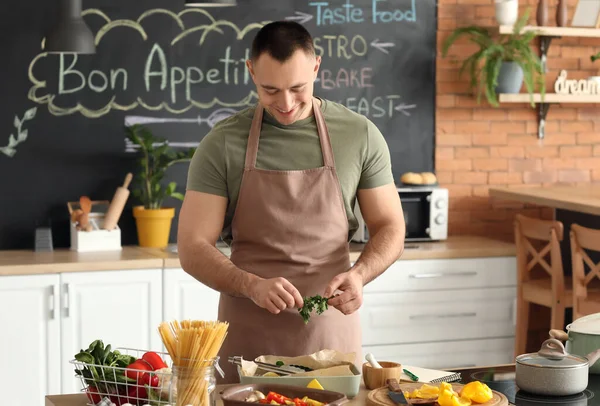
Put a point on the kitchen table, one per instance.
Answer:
(571, 204)
(80, 399)
(498, 377)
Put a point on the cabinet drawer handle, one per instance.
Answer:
(440, 274)
(52, 308)
(66, 301)
(442, 316)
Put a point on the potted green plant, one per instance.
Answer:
(500, 65)
(596, 79)
(153, 221)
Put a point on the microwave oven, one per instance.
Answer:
(425, 214)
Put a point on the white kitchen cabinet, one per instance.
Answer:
(442, 313)
(29, 338)
(187, 298)
(448, 354)
(122, 308)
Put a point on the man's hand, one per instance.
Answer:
(351, 285)
(275, 294)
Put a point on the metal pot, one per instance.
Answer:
(582, 338)
(552, 371)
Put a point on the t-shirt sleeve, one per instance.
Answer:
(377, 165)
(207, 171)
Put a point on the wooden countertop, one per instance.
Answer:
(25, 262)
(454, 247)
(80, 399)
(583, 199)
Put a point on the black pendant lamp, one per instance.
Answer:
(70, 33)
(210, 3)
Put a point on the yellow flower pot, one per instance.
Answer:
(153, 226)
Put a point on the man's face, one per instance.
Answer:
(285, 89)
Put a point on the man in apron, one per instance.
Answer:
(277, 182)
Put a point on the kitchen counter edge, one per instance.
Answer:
(26, 262)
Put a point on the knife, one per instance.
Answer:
(395, 393)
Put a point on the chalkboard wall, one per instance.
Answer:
(178, 71)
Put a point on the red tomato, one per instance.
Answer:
(150, 379)
(154, 360)
(133, 370)
(92, 394)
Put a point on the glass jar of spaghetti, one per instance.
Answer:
(194, 384)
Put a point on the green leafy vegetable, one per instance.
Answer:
(316, 303)
(104, 368)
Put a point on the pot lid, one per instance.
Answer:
(586, 325)
(553, 355)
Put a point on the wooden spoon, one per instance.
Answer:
(86, 207)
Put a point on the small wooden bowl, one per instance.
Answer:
(377, 377)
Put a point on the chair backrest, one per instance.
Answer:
(583, 238)
(530, 232)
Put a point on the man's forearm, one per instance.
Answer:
(382, 250)
(208, 265)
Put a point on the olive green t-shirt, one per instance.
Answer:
(361, 155)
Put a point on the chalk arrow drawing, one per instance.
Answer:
(300, 17)
(214, 118)
(382, 46)
(131, 147)
(402, 108)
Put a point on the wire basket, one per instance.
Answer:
(105, 385)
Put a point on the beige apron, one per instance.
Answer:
(289, 224)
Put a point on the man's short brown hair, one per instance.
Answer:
(281, 39)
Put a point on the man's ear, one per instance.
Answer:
(250, 69)
(317, 65)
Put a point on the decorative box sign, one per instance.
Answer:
(575, 86)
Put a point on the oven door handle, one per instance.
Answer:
(410, 199)
(441, 274)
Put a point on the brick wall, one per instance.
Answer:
(479, 146)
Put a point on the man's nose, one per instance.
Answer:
(288, 101)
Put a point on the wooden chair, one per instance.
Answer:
(586, 293)
(546, 284)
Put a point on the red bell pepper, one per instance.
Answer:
(155, 361)
(136, 370)
(277, 398)
(299, 402)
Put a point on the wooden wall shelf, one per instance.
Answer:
(544, 106)
(549, 98)
(555, 31)
(545, 35)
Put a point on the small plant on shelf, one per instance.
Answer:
(500, 65)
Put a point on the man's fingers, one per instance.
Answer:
(271, 307)
(340, 299)
(349, 307)
(295, 294)
(278, 302)
(333, 285)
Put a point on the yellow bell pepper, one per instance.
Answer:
(424, 392)
(477, 391)
(450, 398)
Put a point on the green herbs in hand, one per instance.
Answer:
(317, 302)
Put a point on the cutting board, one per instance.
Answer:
(379, 397)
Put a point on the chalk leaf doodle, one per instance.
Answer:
(10, 149)
(176, 82)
